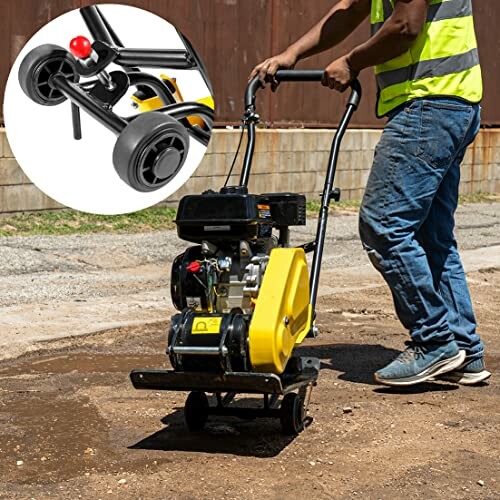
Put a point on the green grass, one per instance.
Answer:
(466, 199)
(151, 219)
(73, 222)
(313, 206)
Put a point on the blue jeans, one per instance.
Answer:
(407, 219)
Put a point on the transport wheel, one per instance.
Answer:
(292, 414)
(150, 151)
(37, 68)
(196, 411)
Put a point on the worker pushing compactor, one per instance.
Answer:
(246, 298)
(429, 87)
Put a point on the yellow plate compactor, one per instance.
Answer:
(246, 298)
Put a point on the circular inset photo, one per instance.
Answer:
(108, 109)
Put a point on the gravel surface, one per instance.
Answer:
(96, 265)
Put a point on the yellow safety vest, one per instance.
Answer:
(443, 60)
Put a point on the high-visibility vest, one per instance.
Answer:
(443, 60)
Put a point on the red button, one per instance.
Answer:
(80, 47)
(194, 267)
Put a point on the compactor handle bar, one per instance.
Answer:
(250, 120)
(303, 75)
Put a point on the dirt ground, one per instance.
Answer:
(72, 426)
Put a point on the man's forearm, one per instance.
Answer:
(341, 20)
(394, 38)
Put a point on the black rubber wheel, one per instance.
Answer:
(292, 414)
(150, 151)
(196, 411)
(37, 68)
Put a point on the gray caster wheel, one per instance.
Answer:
(150, 151)
(39, 66)
(196, 411)
(292, 414)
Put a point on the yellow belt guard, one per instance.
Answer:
(283, 314)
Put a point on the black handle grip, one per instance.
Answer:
(303, 75)
(299, 75)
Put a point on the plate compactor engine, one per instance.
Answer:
(246, 298)
(244, 295)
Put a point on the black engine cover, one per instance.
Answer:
(235, 216)
(222, 217)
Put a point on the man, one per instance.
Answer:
(429, 79)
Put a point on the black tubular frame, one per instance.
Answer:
(102, 33)
(78, 97)
(112, 35)
(98, 26)
(155, 58)
(101, 30)
(250, 121)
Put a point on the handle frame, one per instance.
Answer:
(250, 121)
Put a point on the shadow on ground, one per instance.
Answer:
(358, 363)
(260, 438)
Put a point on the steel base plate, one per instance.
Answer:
(300, 372)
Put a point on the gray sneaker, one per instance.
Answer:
(471, 372)
(421, 362)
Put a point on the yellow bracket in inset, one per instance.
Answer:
(145, 105)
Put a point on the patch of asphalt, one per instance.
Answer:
(38, 254)
(478, 225)
(55, 286)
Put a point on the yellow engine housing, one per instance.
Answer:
(283, 313)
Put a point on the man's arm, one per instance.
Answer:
(335, 26)
(394, 38)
